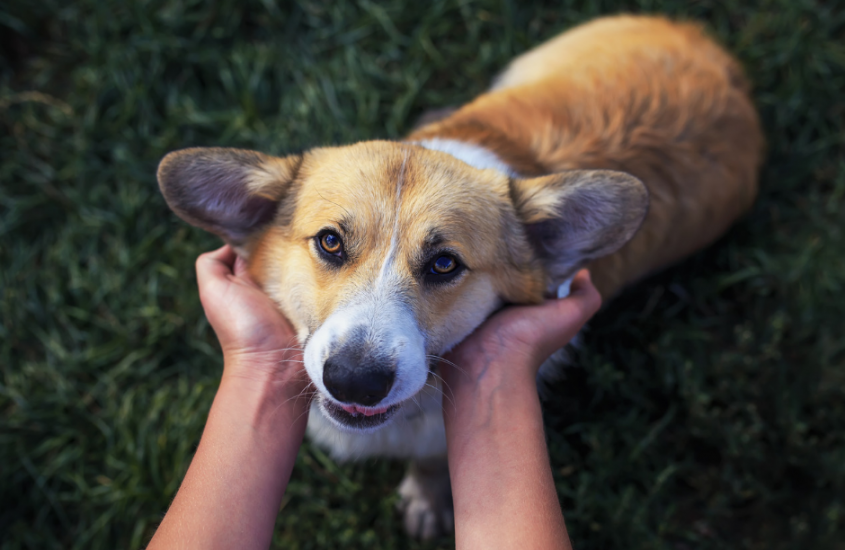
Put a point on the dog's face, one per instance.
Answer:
(385, 254)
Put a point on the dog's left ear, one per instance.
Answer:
(230, 192)
(577, 216)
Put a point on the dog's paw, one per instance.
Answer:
(426, 505)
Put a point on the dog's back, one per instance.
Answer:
(642, 95)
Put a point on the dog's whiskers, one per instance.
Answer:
(300, 416)
(416, 400)
(450, 363)
(442, 384)
(442, 393)
(334, 203)
(307, 391)
(294, 348)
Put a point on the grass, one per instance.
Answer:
(709, 411)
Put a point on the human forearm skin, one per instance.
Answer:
(503, 491)
(233, 488)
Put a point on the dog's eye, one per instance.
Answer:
(330, 243)
(443, 269)
(443, 265)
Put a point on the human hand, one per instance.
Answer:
(516, 340)
(258, 343)
(231, 493)
(494, 424)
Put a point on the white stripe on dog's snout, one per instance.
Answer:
(390, 256)
(386, 324)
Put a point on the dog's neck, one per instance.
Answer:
(479, 144)
(470, 153)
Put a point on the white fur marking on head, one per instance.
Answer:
(394, 238)
(388, 327)
(474, 155)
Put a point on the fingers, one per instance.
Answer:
(563, 318)
(241, 272)
(215, 265)
(239, 267)
(225, 254)
(585, 293)
(580, 281)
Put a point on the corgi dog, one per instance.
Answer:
(623, 145)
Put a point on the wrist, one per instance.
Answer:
(482, 376)
(266, 392)
(265, 372)
(265, 360)
(496, 402)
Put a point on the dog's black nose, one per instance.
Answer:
(351, 383)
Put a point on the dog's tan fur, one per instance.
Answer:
(646, 96)
(567, 122)
(476, 221)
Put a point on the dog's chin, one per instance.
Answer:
(356, 422)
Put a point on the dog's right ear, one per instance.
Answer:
(229, 192)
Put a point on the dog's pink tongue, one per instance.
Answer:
(355, 409)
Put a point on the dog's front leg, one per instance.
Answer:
(426, 496)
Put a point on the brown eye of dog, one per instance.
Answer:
(442, 270)
(444, 265)
(330, 242)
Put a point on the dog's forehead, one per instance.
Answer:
(369, 184)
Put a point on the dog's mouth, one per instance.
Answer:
(354, 417)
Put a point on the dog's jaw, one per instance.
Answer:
(415, 430)
(356, 422)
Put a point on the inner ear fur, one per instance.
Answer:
(229, 192)
(577, 216)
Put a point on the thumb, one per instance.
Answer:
(564, 317)
(214, 266)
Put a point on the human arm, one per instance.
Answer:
(502, 486)
(233, 488)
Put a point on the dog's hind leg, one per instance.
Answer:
(426, 496)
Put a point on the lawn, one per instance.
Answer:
(708, 410)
